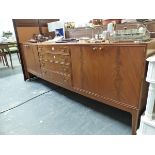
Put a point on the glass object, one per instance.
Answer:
(138, 34)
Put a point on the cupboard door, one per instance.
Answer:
(98, 70)
(131, 62)
(113, 73)
(37, 61)
(32, 59)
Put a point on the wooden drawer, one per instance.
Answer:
(57, 77)
(53, 66)
(57, 57)
(52, 76)
(66, 69)
(63, 49)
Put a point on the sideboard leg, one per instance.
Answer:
(135, 120)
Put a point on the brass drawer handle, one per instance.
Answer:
(94, 48)
(67, 64)
(100, 48)
(65, 69)
(62, 63)
(56, 62)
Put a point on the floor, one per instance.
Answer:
(39, 108)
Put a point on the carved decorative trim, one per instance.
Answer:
(103, 97)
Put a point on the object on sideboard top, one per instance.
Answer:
(96, 21)
(69, 25)
(71, 40)
(62, 40)
(138, 34)
(38, 38)
(107, 21)
(32, 41)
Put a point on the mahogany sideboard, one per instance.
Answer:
(113, 74)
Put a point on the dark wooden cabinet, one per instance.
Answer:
(113, 74)
(32, 59)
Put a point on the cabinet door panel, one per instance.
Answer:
(37, 61)
(32, 59)
(113, 72)
(29, 58)
(131, 71)
(98, 70)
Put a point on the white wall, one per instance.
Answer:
(6, 25)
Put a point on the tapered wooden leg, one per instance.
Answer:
(135, 121)
(28, 76)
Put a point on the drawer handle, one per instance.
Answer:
(62, 63)
(94, 48)
(56, 62)
(100, 48)
(67, 64)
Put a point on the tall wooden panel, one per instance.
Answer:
(31, 57)
(25, 29)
